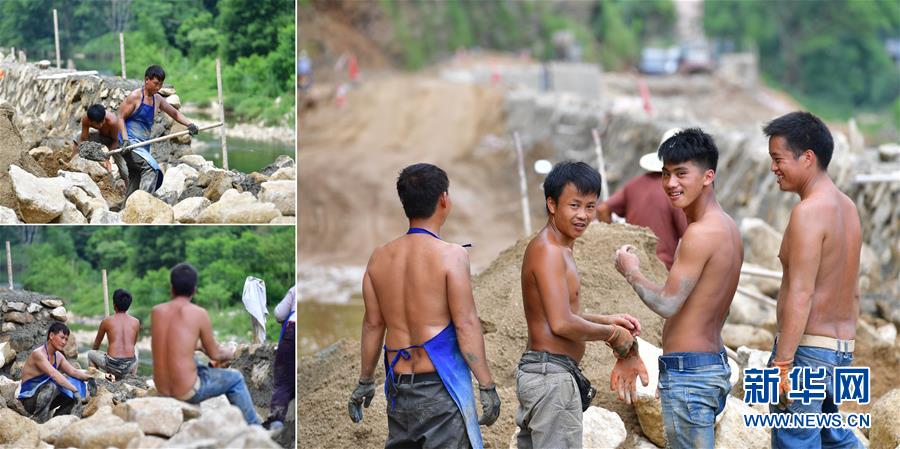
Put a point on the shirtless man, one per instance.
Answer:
(818, 302)
(551, 390)
(108, 126)
(417, 290)
(122, 330)
(694, 371)
(176, 327)
(50, 381)
(136, 116)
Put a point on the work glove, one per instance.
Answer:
(784, 384)
(192, 129)
(361, 397)
(125, 150)
(490, 405)
(620, 341)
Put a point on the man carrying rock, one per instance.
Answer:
(50, 382)
(552, 391)
(122, 330)
(695, 298)
(108, 126)
(176, 327)
(419, 306)
(818, 302)
(136, 115)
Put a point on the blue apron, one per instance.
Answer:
(284, 325)
(139, 126)
(31, 386)
(443, 350)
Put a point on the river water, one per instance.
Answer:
(244, 155)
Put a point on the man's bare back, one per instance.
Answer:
(539, 253)
(122, 331)
(176, 326)
(825, 227)
(409, 277)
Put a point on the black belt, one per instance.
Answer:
(418, 378)
(696, 360)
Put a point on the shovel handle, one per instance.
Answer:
(162, 138)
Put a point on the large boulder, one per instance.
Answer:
(175, 181)
(156, 415)
(737, 335)
(285, 173)
(105, 216)
(38, 201)
(281, 161)
(147, 442)
(17, 430)
(747, 310)
(236, 207)
(100, 431)
(92, 168)
(70, 215)
(142, 207)
(768, 286)
(8, 389)
(283, 194)
(731, 431)
(222, 425)
(885, 431)
(197, 162)
(215, 182)
(7, 353)
(647, 407)
(103, 399)
(189, 209)
(52, 428)
(602, 428)
(761, 243)
(67, 178)
(85, 203)
(12, 151)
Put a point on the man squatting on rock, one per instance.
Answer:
(696, 296)
(136, 116)
(818, 302)
(419, 308)
(50, 381)
(552, 391)
(177, 328)
(122, 330)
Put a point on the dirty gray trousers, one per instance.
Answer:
(47, 398)
(424, 416)
(141, 176)
(549, 414)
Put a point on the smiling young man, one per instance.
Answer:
(136, 116)
(818, 302)
(551, 389)
(694, 371)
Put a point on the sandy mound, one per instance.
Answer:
(326, 379)
(12, 151)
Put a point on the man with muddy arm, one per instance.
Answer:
(552, 391)
(420, 310)
(818, 302)
(695, 298)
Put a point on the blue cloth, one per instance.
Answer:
(139, 126)
(230, 382)
(31, 386)
(693, 388)
(443, 350)
(824, 437)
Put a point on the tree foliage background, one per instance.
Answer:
(66, 261)
(254, 38)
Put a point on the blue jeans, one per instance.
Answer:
(693, 387)
(230, 382)
(824, 437)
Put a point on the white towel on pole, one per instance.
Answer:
(254, 299)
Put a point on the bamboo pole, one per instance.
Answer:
(56, 36)
(601, 166)
(761, 298)
(523, 186)
(9, 265)
(221, 113)
(122, 53)
(161, 138)
(761, 272)
(105, 294)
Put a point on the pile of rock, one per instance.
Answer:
(26, 316)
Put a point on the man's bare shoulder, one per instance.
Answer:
(542, 250)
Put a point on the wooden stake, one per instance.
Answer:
(523, 186)
(122, 53)
(9, 265)
(56, 37)
(105, 294)
(601, 166)
(221, 113)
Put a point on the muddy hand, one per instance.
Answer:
(627, 260)
(490, 405)
(623, 374)
(784, 382)
(628, 322)
(361, 397)
(620, 341)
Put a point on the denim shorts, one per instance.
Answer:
(824, 437)
(693, 388)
